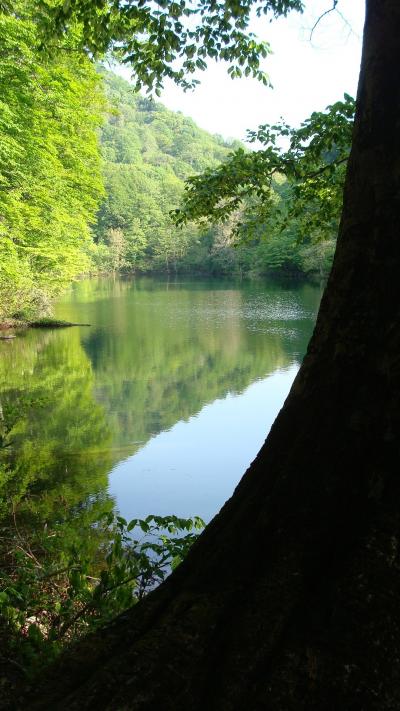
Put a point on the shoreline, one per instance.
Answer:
(16, 324)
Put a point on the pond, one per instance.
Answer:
(158, 406)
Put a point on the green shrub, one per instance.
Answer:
(52, 594)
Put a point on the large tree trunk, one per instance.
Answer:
(289, 600)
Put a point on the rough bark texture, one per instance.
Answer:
(289, 600)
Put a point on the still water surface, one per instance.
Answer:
(161, 404)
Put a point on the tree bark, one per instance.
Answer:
(289, 600)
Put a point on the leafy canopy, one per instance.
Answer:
(312, 165)
(167, 38)
(50, 167)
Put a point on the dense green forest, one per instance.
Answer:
(50, 167)
(91, 172)
(148, 153)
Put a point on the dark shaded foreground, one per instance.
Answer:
(289, 600)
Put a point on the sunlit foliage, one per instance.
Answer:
(148, 151)
(170, 38)
(297, 177)
(50, 172)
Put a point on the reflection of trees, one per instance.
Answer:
(54, 458)
(162, 352)
(155, 355)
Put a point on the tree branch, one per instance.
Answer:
(326, 167)
(327, 12)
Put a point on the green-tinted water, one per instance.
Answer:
(157, 407)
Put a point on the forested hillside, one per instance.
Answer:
(148, 154)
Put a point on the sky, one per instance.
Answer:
(307, 75)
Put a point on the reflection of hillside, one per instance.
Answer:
(163, 351)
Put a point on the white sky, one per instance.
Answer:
(307, 75)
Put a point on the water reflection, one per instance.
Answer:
(196, 464)
(54, 437)
(76, 403)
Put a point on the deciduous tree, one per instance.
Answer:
(50, 177)
(289, 600)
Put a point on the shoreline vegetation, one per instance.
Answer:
(45, 322)
(68, 587)
(49, 322)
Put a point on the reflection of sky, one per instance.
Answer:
(193, 468)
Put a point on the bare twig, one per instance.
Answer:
(57, 572)
(334, 8)
(327, 12)
(28, 552)
(347, 23)
(339, 161)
